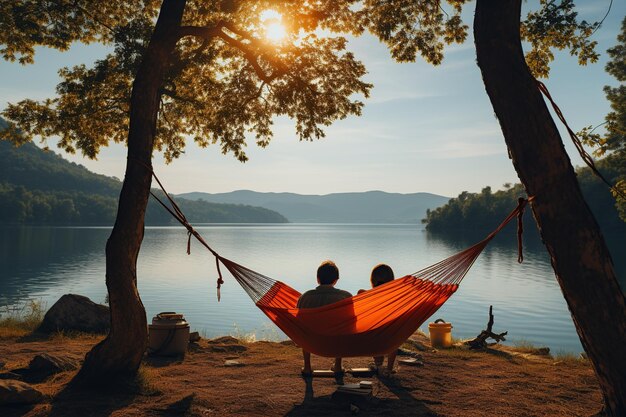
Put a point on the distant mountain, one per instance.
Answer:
(363, 207)
(40, 187)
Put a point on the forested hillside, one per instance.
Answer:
(479, 212)
(40, 187)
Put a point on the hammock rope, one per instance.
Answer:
(376, 321)
(577, 143)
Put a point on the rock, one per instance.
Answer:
(52, 364)
(76, 313)
(233, 363)
(228, 348)
(218, 349)
(223, 340)
(17, 392)
(194, 336)
(44, 365)
(544, 351)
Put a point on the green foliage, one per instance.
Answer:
(474, 211)
(411, 28)
(482, 212)
(225, 81)
(38, 187)
(613, 140)
(555, 26)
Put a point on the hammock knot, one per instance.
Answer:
(220, 280)
(189, 234)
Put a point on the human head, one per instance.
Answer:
(380, 274)
(327, 273)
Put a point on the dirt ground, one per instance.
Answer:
(452, 382)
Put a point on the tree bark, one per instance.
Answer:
(578, 253)
(120, 354)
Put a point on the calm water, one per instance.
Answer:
(43, 263)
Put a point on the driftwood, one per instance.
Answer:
(480, 342)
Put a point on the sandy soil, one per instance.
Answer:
(452, 382)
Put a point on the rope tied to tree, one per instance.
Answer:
(438, 271)
(577, 143)
(178, 214)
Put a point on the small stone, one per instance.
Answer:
(219, 349)
(52, 364)
(544, 351)
(233, 363)
(17, 392)
(44, 365)
(228, 348)
(194, 336)
(224, 340)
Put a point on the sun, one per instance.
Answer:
(275, 31)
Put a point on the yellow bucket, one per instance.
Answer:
(440, 333)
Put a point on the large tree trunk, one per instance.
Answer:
(120, 354)
(579, 255)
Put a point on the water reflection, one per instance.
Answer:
(48, 262)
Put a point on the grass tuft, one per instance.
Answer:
(143, 383)
(568, 357)
(525, 346)
(268, 333)
(21, 319)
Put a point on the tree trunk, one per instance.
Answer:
(120, 354)
(578, 253)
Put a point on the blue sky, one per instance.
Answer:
(424, 128)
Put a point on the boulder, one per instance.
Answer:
(17, 392)
(76, 313)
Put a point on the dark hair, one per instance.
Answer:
(327, 273)
(381, 274)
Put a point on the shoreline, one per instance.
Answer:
(266, 381)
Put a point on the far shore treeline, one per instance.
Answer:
(39, 187)
(475, 213)
(42, 188)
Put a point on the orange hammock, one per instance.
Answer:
(369, 324)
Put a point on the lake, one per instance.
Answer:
(43, 263)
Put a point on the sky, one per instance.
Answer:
(424, 128)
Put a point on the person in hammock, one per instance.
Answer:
(381, 274)
(325, 293)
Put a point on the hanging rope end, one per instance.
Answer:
(521, 206)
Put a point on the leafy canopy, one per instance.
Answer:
(613, 140)
(226, 80)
